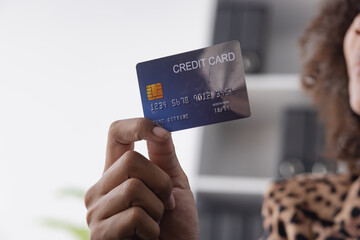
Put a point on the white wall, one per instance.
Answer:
(67, 70)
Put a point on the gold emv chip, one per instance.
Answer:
(154, 91)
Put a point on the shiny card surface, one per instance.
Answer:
(195, 88)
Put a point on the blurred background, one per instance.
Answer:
(67, 70)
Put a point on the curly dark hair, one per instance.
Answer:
(324, 76)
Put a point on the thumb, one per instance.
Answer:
(163, 155)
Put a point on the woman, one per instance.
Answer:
(326, 207)
(140, 199)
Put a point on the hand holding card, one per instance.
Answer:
(195, 88)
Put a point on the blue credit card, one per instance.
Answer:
(195, 88)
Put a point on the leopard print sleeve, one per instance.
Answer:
(308, 207)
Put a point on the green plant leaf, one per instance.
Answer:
(81, 233)
(72, 192)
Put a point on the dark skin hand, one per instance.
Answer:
(140, 198)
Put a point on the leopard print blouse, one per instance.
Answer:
(313, 207)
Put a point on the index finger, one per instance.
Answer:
(123, 134)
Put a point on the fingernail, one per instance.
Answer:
(170, 203)
(160, 132)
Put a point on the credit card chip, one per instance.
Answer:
(154, 91)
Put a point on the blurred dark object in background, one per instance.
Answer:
(245, 22)
(235, 217)
(303, 144)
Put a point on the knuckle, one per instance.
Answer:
(137, 215)
(160, 211)
(90, 215)
(130, 155)
(155, 232)
(89, 195)
(167, 182)
(139, 123)
(165, 186)
(113, 126)
(142, 126)
(138, 218)
(133, 186)
(129, 160)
